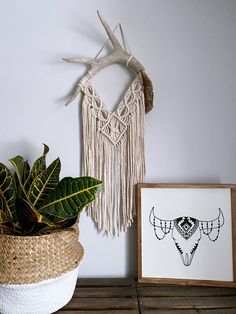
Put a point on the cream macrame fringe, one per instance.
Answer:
(113, 151)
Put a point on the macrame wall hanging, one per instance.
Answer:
(113, 142)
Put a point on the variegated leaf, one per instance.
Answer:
(44, 184)
(38, 167)
(18, 164)
(70, 197)
(7, 195)
(29, 217)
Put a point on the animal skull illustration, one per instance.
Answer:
(186, 232)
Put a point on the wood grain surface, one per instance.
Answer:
(127, 296)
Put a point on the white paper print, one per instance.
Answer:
(186, 233)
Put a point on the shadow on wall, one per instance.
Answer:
(19, 147)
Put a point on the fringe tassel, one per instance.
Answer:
(120, 164)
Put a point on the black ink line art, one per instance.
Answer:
(186, 232)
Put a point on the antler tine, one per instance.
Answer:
(115, 43)
(74, 95)
(80, 60)
(118, 55)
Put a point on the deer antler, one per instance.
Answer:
(119, 55)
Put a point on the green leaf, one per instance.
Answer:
(18, 164)
(38, 167)
(57, 226)
(44, 184)
(7, 194)
(19, 184)
(28, 216)
(45, 149)
(40, 164)
(26, 172)
(70, 197)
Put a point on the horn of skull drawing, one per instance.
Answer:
(186, 232)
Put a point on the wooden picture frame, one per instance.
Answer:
(187, 234)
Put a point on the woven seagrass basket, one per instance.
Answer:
(38, 273)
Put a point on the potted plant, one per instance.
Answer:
(39, 247)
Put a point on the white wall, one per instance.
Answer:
(188, 48)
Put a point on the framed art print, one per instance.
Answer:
(186, 234)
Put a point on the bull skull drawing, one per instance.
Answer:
(186, 232)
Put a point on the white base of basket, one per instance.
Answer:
(44, 297)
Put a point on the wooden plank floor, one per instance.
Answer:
(126, 296)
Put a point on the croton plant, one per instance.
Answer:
(35, 201)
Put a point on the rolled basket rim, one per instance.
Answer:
(68, 229)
